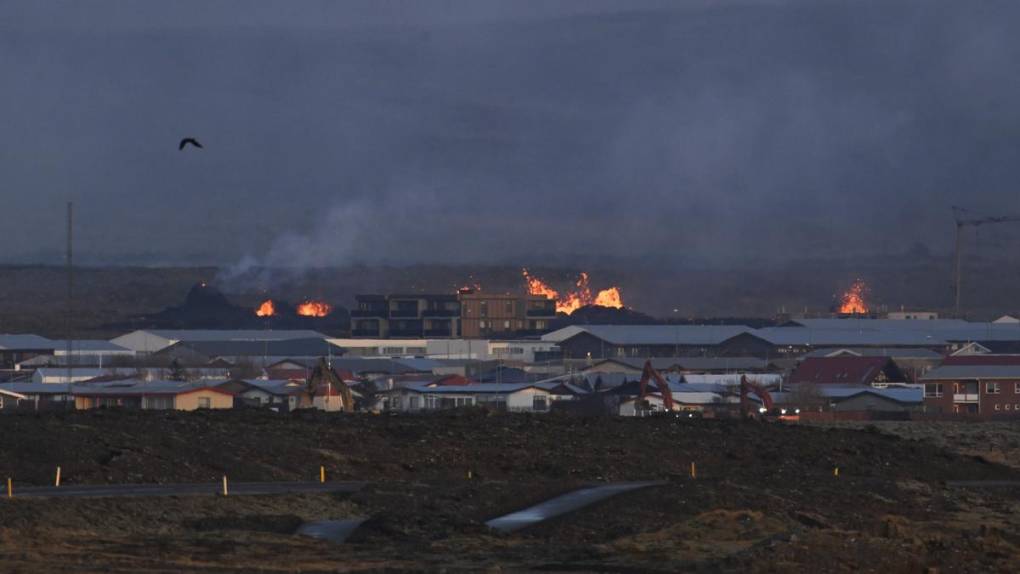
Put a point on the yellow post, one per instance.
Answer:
(322, 474)
(694, 470)
(835, 471)
(10, 488)
(224, 485)
(58, 477)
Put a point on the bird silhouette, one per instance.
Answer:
(187, 141)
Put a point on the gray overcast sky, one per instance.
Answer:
(682, 132)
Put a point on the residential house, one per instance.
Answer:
(156, 395)
(17, 348)
(985, 390)
(522, 397)
(9, 400)
(39, 396)
(848, 370)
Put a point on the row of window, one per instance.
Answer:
(934, 390)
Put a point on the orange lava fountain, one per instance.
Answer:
(577, 298)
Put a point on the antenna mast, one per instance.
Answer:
(70, 289)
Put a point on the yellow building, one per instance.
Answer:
(159, 395)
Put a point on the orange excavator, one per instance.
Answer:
(748, 386)
(765, 412)
(649, 374)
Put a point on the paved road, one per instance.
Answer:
(564, 504)
(134, 490)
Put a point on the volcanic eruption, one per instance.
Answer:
(580, 296)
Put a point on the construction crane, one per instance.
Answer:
(959, 214)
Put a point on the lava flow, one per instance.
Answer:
(314, 309)
(852, 302)
(577, 298)
(266, 309)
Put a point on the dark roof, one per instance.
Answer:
(693, 363)
(140, 388)
(982, 360)
(894, 352)
(1001, 347)
(26, 342)
(810, 336)
(360, 365)
(505, 375)
(843, 370)
(311, 347)
(662, 334)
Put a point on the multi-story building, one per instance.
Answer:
(406, 316)
(484, 315)
(467, 314)
(988, 390)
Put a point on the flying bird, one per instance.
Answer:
(187, 141)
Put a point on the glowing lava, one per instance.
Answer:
(852, 302)
(314, 309)
(579, 297)
(266, 309)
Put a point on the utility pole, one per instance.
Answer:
(70, 290)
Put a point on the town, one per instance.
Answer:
(412, 353)
(509, 286)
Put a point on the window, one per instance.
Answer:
(1007, 406)
(413, 403)
(992, 389)
(506, 325)
(1, 402)
(1016, 388)
(159, 403)
(393, 350)
(509, 307)
(484, 308)
(997, 406)
(204, 402)
(933, 390)
(539, 403)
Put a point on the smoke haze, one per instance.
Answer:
(684, 133)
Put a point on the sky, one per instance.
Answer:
(681, 133)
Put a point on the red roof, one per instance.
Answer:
(844, 370)
(452, 381)
(983, 360)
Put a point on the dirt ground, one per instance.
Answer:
(766, 498)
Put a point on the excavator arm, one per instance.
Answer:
(649, 374)
(748, 386)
